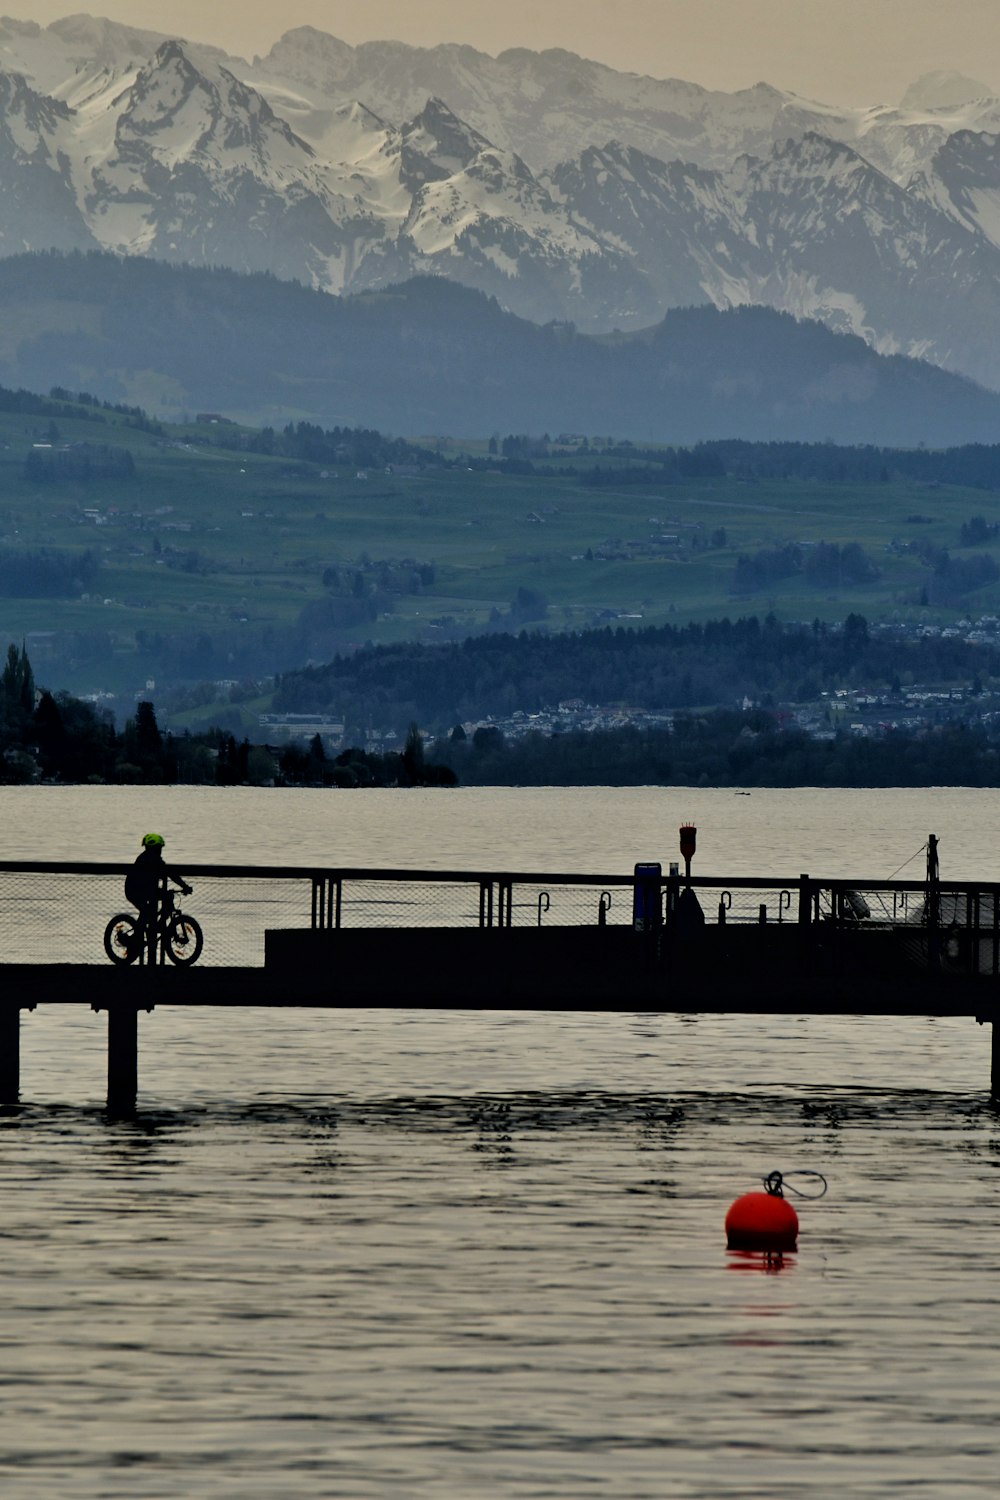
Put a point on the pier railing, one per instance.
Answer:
(56, 912)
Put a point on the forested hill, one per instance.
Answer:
(976, 465)
(665, 668)
(433, 357)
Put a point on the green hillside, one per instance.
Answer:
(197, 562)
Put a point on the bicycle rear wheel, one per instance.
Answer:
(122, 941)
(183, 940)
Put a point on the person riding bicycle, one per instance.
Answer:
(148, 878)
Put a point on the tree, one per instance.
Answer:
(18, 680)
(49, 733)
(976, 531)
(488, 739)
(315, 768)
(855, 634)
(530, 604)
(261, 767)
(143, 751)
(413, 756)
(149, 740)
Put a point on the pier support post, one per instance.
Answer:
(805, 922)
(995, 1062)
(10, 1053)
(123, 1057)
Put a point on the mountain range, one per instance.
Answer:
(566, 190)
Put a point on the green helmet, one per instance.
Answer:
(153, 841)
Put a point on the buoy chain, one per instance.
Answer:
(776, 1182)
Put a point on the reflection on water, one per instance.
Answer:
(482, 1254)
(768, 1262)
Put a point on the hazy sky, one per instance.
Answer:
(843, 51)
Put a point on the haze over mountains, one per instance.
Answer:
(430, 357)
(564, 189)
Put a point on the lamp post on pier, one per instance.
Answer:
(689, 838)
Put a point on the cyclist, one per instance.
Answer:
(147, 878)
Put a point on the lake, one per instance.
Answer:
(480, 1254)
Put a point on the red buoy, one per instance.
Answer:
(761, 1221)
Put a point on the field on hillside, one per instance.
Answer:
(219, 564)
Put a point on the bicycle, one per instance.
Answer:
(177, 935)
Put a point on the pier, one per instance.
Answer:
(286, 937)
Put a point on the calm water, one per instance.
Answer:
(480, 1254)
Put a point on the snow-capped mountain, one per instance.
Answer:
(67, 58)
(963, 181)
(545, 106)
(36, 180)
(203, 170)
(478, 214)
(811, 228)
(189, 164)
(186, 162)
(565, 189)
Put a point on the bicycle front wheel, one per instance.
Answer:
(183, 940)
(122, 941)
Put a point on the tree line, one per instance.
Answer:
(54, 737)
(46, 572)
(973, 465)
(656, 668)
(78, 405)
(307, 442)
(80, 462)
(825, 565)
(726, 748)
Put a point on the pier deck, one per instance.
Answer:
(285, 937)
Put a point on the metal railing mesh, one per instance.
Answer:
(50, 914)
(475, 903)
(52, 918)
